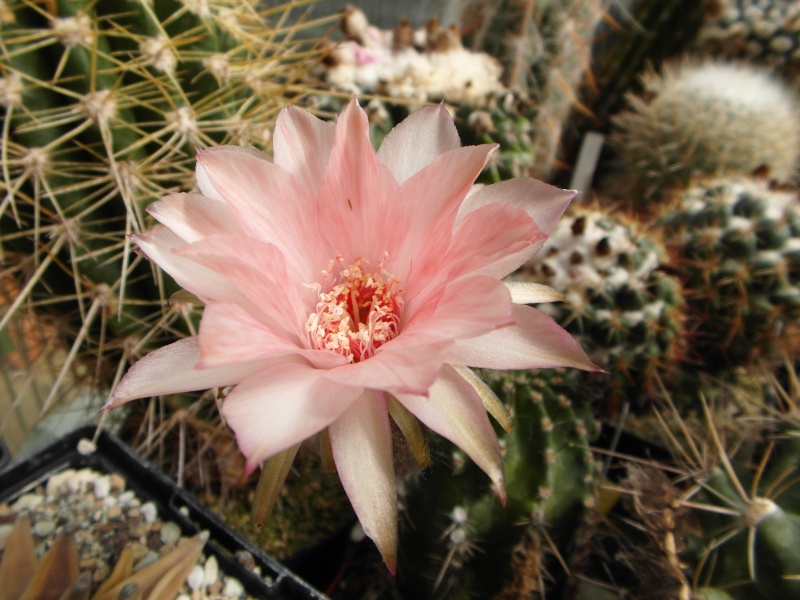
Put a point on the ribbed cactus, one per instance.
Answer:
(545, 49)
(706, 119)
(625, 310)
(480, 546)
(762, 31)
(101, 107)
(737, 244)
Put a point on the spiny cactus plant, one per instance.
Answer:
(545, 49)
(480, 546)
(706, 119)
(737, 245)
(763, 31)
(625, 310)
(102, 104)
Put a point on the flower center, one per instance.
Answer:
(358, 313)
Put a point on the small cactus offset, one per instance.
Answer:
(706, 119)
(624, 309)
(482, 547)
(101, 107)
(764, 31)
(737, 245)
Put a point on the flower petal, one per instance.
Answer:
(544, 203)
(527, 292)
(362, 449)
(536, 342)
(193, 217)
(270, 204)
(417, 141)
(408, 364)
(229, 334)
(171, 369)
(162, 246)
(455, 411)
(302, 145)
(281, 406)
(257, 271)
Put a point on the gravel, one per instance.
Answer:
(105, 517)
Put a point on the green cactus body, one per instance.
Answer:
(545, 49)
(765, 32)
(626, 312)
(550, 475)
(706, 119)
(737, 243)
(102, 105)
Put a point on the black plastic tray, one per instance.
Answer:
(174, 504)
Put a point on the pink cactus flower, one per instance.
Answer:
(339, 282)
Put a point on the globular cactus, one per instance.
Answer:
(545, 49)
(481, 547)
(625, 310)
(706, 119)
(763, 31)
(101, 107)
(736, 243)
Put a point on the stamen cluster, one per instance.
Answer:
(358, 313)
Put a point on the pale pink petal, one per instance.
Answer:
(426, 208)
(544, 203)
(229, 334)
(257, 271)
(468, 307)
(281, 406)
(270, 204)
(357, 199)
(455, 411)
(417, 141)
(535, 342)
(162, 246)
(408, 364)
(480, 242)
(201, 174)
(171, 369)
(302, 145)
(362, 450)
(193, 217)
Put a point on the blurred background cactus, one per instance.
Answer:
(706, 118)
(736, 246)
(627, 312)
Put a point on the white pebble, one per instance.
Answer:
(183, 597)
(86, 447)
(27, 502)
(211, 571)
(195, 578)
(149, 512)
(110, 501)
(125, 498)
(102, 487)
(44, 528)
(233, 588)
(170, 534)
